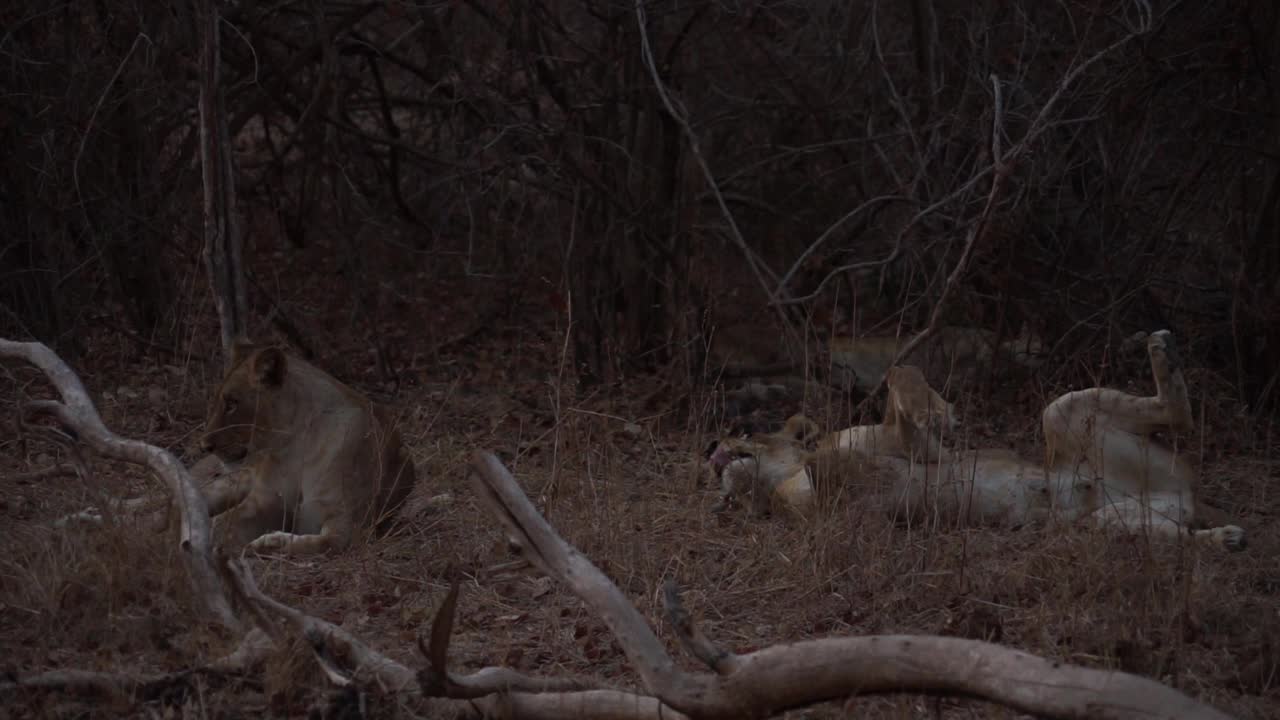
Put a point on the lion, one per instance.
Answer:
(861, 362)
(770, 375)
(768, 468)
(316, 461)
(798, 444)
(1102, 467)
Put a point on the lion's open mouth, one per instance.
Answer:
(722, 456)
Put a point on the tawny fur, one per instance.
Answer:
(1102, 466)
(952, 351)
(320, 462)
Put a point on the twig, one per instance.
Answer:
(368, 665)
(700, 646)
(492, 689)
(813, 247)
(978, 232)
(93, 116)
(897, 246)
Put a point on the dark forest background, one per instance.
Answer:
(1081, 168)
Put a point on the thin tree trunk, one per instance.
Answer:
(222, 240)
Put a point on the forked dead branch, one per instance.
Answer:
(769, 681)
(77, 413)
(756, 684)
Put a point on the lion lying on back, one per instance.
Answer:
(1101, 467)
(320, 461)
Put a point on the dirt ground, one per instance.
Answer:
(616, 470)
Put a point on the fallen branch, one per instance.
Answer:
(548, 552)
(436, 681)
(77, 414)
(700, 646)
(794, 675)
(489, 692)
(326, 638)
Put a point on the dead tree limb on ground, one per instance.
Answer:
(769, 681)
(757, 684)
(490, 692)
(77, 414)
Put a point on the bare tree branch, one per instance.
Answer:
(1001, 167)
(670, 104)
(491, 692)
(435, 680)
(793, 675)
(1000, 164)
(77, 413)
(548, 552)
(700, 646)
(368, 665)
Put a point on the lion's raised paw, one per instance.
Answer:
(1233, 537)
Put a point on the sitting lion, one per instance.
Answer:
(1101, 467)
(316, 460)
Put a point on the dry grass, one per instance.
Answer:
(622, 482)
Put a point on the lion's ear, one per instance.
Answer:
(267, 367)
(241, 349)
(801, 428)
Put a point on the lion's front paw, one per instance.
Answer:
(1161, 342)
(270, 541)
(1233, 537)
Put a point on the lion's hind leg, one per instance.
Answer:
(1171, 388)
(1073, 419)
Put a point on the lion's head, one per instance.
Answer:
(767, 461)
(242, 415)
(917, 412)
